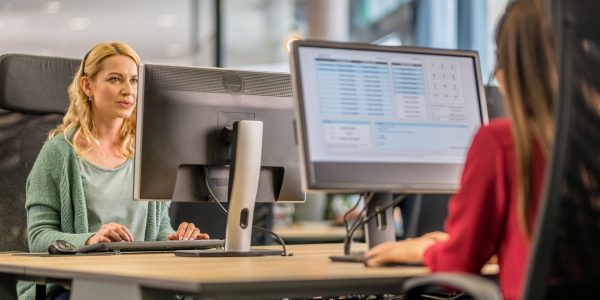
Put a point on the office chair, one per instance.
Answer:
(567, 260)
(564, 262)
(33, 99)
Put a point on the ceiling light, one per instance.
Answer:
(79, 23)
(52, 7)
(167, 21)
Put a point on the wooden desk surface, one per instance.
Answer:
(308, 269)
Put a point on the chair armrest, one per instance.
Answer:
(476, 286)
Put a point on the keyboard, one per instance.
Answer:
(157, 246)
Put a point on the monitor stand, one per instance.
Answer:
(244, 172)
(378, 229)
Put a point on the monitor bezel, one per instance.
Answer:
(138, 137)
(307, 168)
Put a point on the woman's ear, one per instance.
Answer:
(86, 85)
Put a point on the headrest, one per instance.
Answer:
(35, 84)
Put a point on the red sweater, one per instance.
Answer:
(482, 219)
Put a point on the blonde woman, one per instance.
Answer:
(80, 188)
(495, 207)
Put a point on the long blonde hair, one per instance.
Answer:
(525, 53)
(78, 117)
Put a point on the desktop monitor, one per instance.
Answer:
(186, 138)
(385, 119)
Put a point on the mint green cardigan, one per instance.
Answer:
(56, 208)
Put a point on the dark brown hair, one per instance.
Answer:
(525, 54)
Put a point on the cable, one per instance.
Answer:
(212, 195)
(366, 198)
(216, 200)
(348, 237)
(350, 231)
(276, 236)
(350, 210)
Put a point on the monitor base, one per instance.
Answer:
(224, 253)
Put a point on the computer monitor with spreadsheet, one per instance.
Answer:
(378, 118)
(384, 119)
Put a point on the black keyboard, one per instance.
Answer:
(159, 246)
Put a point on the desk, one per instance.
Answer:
(154, 276)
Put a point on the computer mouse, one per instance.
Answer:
(61, 247)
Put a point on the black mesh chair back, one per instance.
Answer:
(33, 99)
(565, 259)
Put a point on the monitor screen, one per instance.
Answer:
(183, 117)
(385, 118)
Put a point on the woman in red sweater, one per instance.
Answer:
(494, 209)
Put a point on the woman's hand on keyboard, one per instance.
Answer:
(188, 231)
(111, 232)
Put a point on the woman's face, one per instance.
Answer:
(114, 90)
